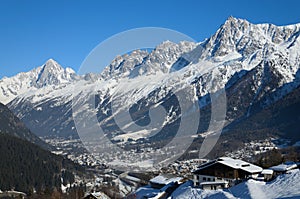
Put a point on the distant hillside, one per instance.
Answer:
(10, 124)
(25, 166)
(280, 119)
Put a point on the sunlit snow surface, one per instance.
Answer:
(284, 186)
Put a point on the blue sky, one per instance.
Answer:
(33, 31)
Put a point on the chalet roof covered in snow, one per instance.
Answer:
(240, 164)
(165, 179)
(267, 172)
(213, 183)
(235, 164)
(285, 166)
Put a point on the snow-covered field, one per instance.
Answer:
(284, 186)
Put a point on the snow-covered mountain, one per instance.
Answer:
(49, 74)
(257, 63)
(141, 62)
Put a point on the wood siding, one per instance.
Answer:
(223, 171)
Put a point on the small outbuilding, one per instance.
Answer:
(267, 174)
(162, 180)
(284, 168)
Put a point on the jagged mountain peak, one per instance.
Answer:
(123, 64)
(52, 73)
(233, 21)
(139, 62)
(49, 74)
(52, 63)
(244, 38)
(165, 44)
(51, 66)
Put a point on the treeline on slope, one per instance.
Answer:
(28, 168)
(11, 124)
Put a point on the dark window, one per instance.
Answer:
(204, 178)
(208, 179)
(245, 165)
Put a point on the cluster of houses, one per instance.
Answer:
(220, 173)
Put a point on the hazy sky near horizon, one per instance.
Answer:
(67, 31)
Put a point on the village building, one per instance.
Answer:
(162, 180)
(284, 168)
(160, 187)
(266, 175)
(224, 172)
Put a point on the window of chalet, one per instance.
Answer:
(204, 178)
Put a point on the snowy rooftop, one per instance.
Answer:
(284, 167)
(164, 179)
(267, 172)
(213, 183)
(234, 163)
(240, 164)
(146, 192)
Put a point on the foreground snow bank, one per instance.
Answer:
(284, 186)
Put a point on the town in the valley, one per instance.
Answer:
(222, 174)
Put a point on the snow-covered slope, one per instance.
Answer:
(284, 186)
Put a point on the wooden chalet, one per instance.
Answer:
(224, 172)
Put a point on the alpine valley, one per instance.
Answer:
(255, 66)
